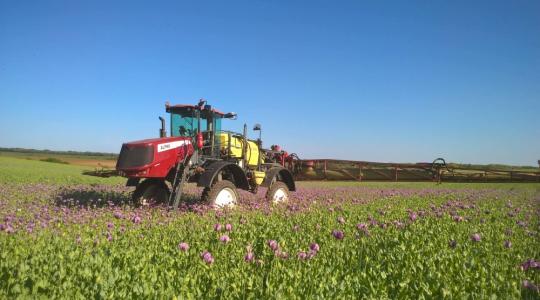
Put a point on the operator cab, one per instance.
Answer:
(184, 121)
(190, 120)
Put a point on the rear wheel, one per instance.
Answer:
(277, 192)
(223, 193)
(151, 192)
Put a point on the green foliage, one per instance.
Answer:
(76, 153)
(31, 171)
(142, 260)
(54, 160)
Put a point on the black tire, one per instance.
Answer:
(151, 192)
(210, 195)
(276, 187)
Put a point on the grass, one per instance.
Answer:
(32, 171)
(54, 160)
(74, 159)
(54, 248)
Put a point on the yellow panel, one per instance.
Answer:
(252, 153)
(259, 177)
(236, 145)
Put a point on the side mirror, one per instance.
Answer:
(257, 127)
(231, 115)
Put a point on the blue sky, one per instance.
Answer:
(401, 81)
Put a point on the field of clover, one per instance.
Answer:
(64, 235)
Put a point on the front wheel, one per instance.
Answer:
(151, 192)
(223, 193)
(277, 192)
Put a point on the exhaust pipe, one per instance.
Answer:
(162, 131)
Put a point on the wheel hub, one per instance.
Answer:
(226, 197)
(279, 196)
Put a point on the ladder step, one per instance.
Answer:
(178, 187)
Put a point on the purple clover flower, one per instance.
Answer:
(362, 226)
(228, 227)
(136, 219)
(530, 264)
(302, 255)
(249, 257)
(476, 237)
(217, 227)
(458, 218)
(207, 257)
(183, 246)
(117, 214)
(273, 245)
(314, 247)
(398, 224)
(224, 239)
(9, 229)
(413, 216)
(338, 234)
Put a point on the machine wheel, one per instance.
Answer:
(222, 193)
(151, 192)
(277, 192)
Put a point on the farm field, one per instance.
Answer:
(65, 235)
(93, 161)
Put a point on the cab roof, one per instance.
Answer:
(189, 107)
